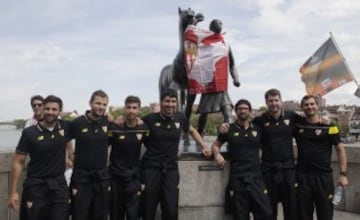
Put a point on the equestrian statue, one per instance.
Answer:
(180, 74)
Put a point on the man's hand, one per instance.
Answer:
(139, 121)
(206, 152)
(109, 117)
(14, 200)
(220, 161)
(120, 120)
(224, 128)
(343, 181)
(326, 120)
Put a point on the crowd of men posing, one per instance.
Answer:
(130, 188)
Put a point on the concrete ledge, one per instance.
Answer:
(351, 201)
(202, 187)
(208, 213)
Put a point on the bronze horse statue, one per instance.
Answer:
(174, 75)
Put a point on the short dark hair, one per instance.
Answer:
(132, 99)
(272, 92)
(168, 92)
(52, 98)
(100, 93)
(36, 97)
(307, 97)
(243, 102)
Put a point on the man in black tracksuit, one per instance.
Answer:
(124, 166)
(45, 193)
(315, 141)
(277, 160)
(246, 191)
(160, 174)
(90, 181)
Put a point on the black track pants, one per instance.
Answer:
(248, 195)
(160, 186)
(46, 201)
(90, 201)
(315, 191)
(125, 199)
(282, 187)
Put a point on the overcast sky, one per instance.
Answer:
(72, 47)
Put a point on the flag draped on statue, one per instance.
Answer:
(206, 61)
(325, 70)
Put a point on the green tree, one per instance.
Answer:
(213, 122)
(19, 123)
(121, 111)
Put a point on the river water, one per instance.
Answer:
(9, 138)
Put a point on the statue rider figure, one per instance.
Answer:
(218, 101)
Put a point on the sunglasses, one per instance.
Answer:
(37, 105)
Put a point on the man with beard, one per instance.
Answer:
(124, 166)
(277, 160)
(160, 174)
(90, 181)
(45, 193)
(36, 103)
(315, 141)
(246, 191)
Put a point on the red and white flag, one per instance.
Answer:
(206, 61)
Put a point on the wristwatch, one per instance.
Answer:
(343, 173)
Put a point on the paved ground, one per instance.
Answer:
(346, 216)
(338, 215)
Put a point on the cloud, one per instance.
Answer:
(71, 48)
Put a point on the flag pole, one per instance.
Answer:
(342, 56)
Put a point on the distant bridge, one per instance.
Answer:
(7, 123)
(11, 125)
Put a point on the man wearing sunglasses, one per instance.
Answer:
(36, 103)
(45, 193)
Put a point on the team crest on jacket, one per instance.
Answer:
(254, 133)
(301, 130)
(29, 204)
(287, 122)
(40, 138)
(61, 132)
(84, 130)
(104, 129)
(139, 136)
(157, 124)
(318, 132)
(177, 125)
(267, 124)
